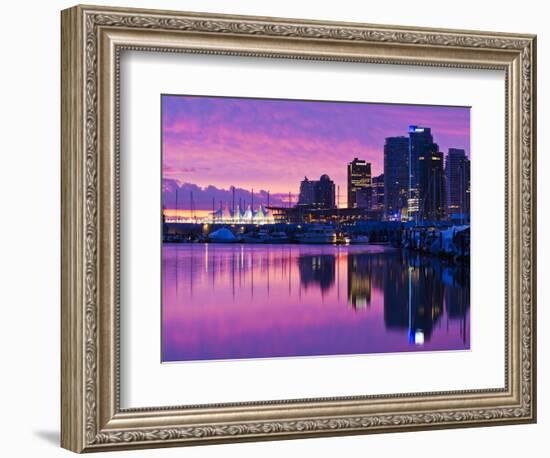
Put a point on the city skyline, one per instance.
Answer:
(278, 142)
(307, 228)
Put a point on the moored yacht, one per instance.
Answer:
(276, 237)
(317, 235)
(359, 239)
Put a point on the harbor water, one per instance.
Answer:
(232, 301)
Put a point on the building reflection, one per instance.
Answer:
(457, 296)
(317, 270)
(360, 275)
(418, 293)
(425, 299)
(396, 293)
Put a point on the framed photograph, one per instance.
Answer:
(279, 228)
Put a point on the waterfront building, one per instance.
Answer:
(457, 173)
(325, 193)
(307, 192)
(225, 215)
(420, 143)
(317, 193)
(363, 198)
(359, 180)
(372, 198)
(302, 214)
(431, 186)
(396, 176)
(377, 198)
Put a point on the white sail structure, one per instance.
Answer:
(248, 216)
(217, 215)
(225, 214)
(263, 216)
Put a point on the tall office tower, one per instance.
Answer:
(396, 176)
(420, 142)
(359, 179)
(457, 173)
(431, 186)
(317, 193)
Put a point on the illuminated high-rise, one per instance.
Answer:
(377, 202)
(359, 180)
(421, 142)
(396, 176)
(431, 186)
(457, 171)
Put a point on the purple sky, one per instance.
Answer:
(272, 144)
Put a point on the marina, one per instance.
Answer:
(444, 240)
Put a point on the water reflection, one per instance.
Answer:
(317, 270)
(360, 279)
(250, 301)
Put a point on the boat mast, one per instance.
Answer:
(338, 208)
(177, 204)
(213, 209)
(193, 216)
(252, 205)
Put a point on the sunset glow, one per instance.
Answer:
(271, 145)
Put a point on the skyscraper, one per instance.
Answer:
(359, 178)
(457, 172)
(431, 186)
(396, 176)
(420, 142)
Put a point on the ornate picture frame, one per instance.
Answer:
(92, 41)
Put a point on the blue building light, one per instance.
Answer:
(414, 129)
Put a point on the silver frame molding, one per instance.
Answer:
(92, 40)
